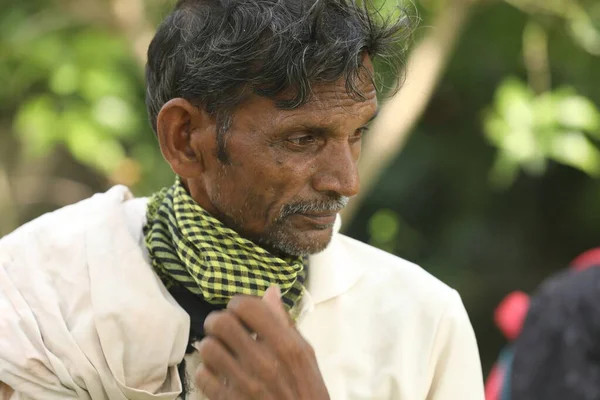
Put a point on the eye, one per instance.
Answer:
(302, 140)
(359, 133)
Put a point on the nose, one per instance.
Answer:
(337, 170)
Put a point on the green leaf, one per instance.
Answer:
(528, 130)
(46, 52)
(583, 31)
(544, 109)
(576, 150)
(109, 155)
(514, 104)
(90, 145)
(38, 125)
(115, 113)
(95, 48)
(65, 79)
(578, 113)
(105, 82)
(504, 171)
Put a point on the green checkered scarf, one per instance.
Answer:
(190, 247)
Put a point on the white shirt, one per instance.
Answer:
(83, 316)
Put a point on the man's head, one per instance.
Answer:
(260, 106)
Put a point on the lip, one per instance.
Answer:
(321, 218)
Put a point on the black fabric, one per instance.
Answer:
(198, 309)
(557, 355)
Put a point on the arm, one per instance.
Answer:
(455, 357)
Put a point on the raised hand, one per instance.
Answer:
(252, 350)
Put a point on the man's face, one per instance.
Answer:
(290, 171)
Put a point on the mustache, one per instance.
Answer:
(335, 204)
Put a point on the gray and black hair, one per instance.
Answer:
(214, 53)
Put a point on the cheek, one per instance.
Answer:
(279, 172)
(293, 175)
(255, 186)
(267, 179)
(276, 184)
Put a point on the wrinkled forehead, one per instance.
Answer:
(338, 94)
(329, 103)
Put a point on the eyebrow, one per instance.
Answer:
(373, 117)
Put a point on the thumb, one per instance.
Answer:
(273, 299)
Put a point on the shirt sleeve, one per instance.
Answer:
(25, 366)
(455, 357)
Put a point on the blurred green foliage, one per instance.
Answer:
(78, 87)
(496, 188)
(530, 130)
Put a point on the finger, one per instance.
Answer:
(209, 384)
(283, 347)
(226, 326)
(272, 298)
(222, 364)
(259, 318)
(212, 388)
(256, 314)
(255, 357)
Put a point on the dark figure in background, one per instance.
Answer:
(557, 355)
(554, 352)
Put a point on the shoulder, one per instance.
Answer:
(399, 280)
(401, 315)
(406, 301)
(65, 227)
(77, 281)
(58, 244)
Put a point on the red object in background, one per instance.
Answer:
(509, 317)
(493, 385)
(588, 259)
(510, 314)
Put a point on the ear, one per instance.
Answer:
(181, 129)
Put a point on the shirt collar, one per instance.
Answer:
(332, 271)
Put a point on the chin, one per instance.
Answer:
(300, 243)
(320, 240)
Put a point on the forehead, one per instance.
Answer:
(330, 106)
(330, 103)
(335, 97)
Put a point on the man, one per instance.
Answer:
(234, 283)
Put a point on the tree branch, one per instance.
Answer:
(535, 57)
